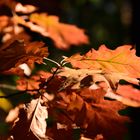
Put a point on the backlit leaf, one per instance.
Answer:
(62, 34)
(121, 60)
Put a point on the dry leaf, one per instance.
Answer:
(31, 122)
(33, 82)
(37, 114)
(91, 112)
(18, 53)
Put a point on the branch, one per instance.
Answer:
(11, 95)
(8, 86)
(14, 94)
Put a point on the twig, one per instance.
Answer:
(52, 61)
(42, 86)
(11, 95)
(14, 94)
(8, 86)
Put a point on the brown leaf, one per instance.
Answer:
(34, 52)
(18, 53)
(11, 54)
(4, 20)
(88, 109)
(28, 84)
(31, 123)
(33, 82)
(37, 114)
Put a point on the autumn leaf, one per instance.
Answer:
(10, 55)
(17, 53)
(37, 114)
(121, 60)
(112, 78)
(94, 79)
(4, 20)
(31, 122)
(33, 82)
(34, 52)
(26, 9)
(129, 91)
(62, 34)
(28, 84)
(92, 113)
(87, 108)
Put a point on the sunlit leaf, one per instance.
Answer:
(62, 34)
(122, 60)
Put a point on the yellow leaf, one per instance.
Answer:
(5, 104)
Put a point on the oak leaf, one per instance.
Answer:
(37, 114)
(4, 20)
(17, 53)
(121, 60)
(94, 79)
(62, 34)
(33, 82)
(91, 112)
(129, 91)
(31, 122)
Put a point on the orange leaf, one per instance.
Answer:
(33, 82)
(120, 60)
(62, 34)
(4, 22)
(128, 91)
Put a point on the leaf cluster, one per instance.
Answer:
(75, 103)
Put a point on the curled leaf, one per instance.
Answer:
(37, 114)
